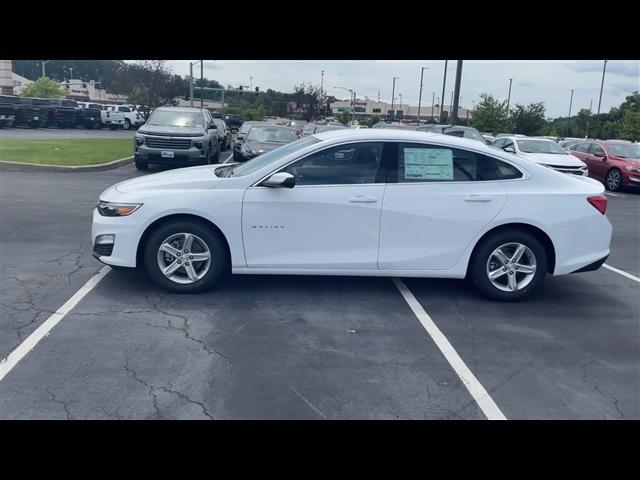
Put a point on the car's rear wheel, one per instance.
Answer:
(508, 265)
(127, 124)
(613, 180)
(185, 257)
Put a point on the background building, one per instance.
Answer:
(404, 112)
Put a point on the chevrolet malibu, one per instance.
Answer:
(374, 202)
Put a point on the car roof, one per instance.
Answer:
(389, 134)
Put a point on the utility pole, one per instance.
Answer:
(321, 80)
(393, 93)
(250, 83)
(378, 95)
(569, 117)
(456, 98)
(400, 95)
(444, 83)
(433, 103)
(190, 84)
(201, 83)
(420, 97)
(604, 69)
(44, 62)
(570, 103)
(509, 97)
(586, 133)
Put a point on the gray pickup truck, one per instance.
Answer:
(177, 136)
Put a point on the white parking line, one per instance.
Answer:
(614, 194)
(621, 272)
(43, 330)
(473, 386)
(229, 157)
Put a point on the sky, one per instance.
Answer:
(550, 82)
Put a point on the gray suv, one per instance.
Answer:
(177, 136)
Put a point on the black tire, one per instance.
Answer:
(127, 124)
(141, 164)
(481, 256)
(613, 180)
(211, 238)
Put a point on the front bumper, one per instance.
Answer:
(190, 156)
(127, 232)
(631, 179)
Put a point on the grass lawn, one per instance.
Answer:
(70, 152)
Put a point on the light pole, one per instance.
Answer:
(191, 65)
(44, 62)
(444, 83)
(393, 97)
(352, 101)
(586, 133)
(509, 97)
(569, 117)
(321, 80)
(456, 100)
(400, 95)
(420, 97)
(433, 102)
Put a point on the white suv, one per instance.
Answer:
(132, 117)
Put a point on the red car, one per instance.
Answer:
(615, 163)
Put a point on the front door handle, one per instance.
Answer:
(363, 199)
(477, 198)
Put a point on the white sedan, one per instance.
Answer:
(543, 151)
(374, 202)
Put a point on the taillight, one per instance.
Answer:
(599, 202)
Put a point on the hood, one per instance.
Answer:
(264, 146)
(194, 178)
(553, 159)
(171, 131)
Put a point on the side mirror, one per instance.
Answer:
(509, 149)
(601, 155)
(213, 127)
(280, 180)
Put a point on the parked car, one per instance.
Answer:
(489, 138)
(111, 119)
(264, 138)
(7, 110)
(454, 130)
(224, 134)
(312, 128)
(90, 114)
(567, 144)
(544, 152)
(242, 133)
(61, 112)
(177, 136)
(337, 203)
(615, 163)
(234, 122)
(132, 118)
(30, 112)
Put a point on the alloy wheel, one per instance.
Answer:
(184, 258)
(511, 267)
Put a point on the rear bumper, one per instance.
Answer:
(592, 266)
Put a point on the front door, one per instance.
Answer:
(329, 220)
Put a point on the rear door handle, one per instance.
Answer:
(363, 199)
(477, 198)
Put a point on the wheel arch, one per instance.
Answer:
(174, 218)
(540, 234)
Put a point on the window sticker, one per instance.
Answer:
(428, 164)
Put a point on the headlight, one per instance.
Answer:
(630, 168)
(139, 141)
(109, 209)
(246, 149)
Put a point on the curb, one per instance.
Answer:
(32, 167)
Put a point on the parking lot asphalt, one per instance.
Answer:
(275, 347)
(62, 133)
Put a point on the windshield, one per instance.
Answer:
(540, 146)
(327, 128)
(246, 126)
(171, 118)
(265, 159)
(624, 151)
(271, 134)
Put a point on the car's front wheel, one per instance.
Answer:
(613, 181)
(185, 257)
(141, 164)
(508, 265)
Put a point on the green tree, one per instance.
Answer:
(44, 87)
(307, 101)
(344, 117)
(490, 115)
(530, 119)
(629, 128)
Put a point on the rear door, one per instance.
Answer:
(597, 161)
(440, 199)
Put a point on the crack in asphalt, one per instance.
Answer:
(595, 386)
(185, 330)
(61, 402)
(153, 388)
